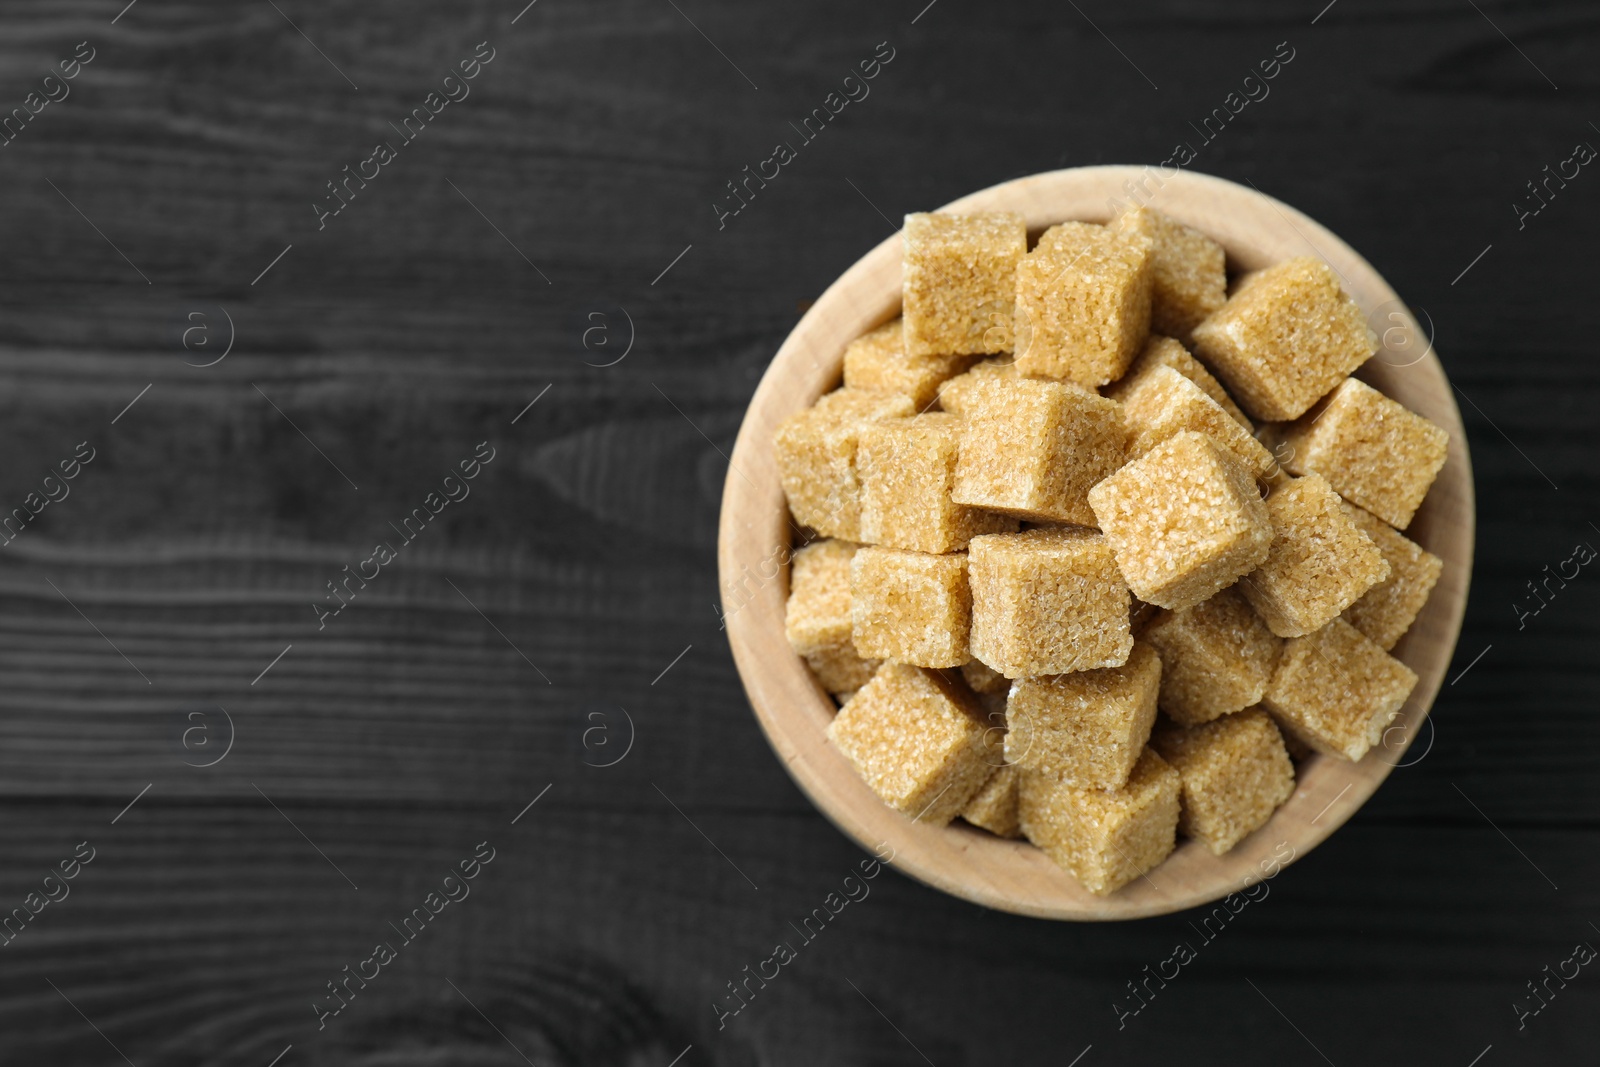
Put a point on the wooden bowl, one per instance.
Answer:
(794, 710)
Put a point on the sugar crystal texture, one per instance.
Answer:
(995, 807)
(1336, 691)
(816, 455)
(1285, 338)
(1047, 602)
(1165, 352)
(1083, 303)
(958, 282)
(1216, 657)
(918, 741)
(1086, 728)
(910, 607)
(983, 680)
(1033, 448)
(1387, 610)
(878, 361)
(907, 470)
(1104, 837)
(1168, 403)
(1373, 451)
(1319, 563)
(1235, 773)
(1188, 270)
(953, 392)
(1185, 520)
(817, 619)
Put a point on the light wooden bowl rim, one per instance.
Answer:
(793, 710)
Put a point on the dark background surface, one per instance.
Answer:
(510, 648)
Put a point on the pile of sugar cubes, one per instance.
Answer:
(1018, 561)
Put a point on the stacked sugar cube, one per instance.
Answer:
(1062, 584)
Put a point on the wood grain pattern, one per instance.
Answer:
(794, 710)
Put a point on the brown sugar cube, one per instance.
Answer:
(1386, 611)
(910, 607)
(1185, 520)
(863, 404)
(1235, 773)
(1374, 452)
(1087, 728)
(953, 393)
(907, 469)
(1072, 236)
(816, 455)
(817, 619)
(995, 807)
(959, 280)
(1104, 837)
(1216, 657)
(1188, 270)
(1083, 303)
(1285, 339)
(1337, 691)
(1165, 352)
(983, 680)
(1033, 448)
(918, 740)
(1168, 403)
(879, 362)
(1319, 564)
(1047, 602)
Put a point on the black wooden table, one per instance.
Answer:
(275, 271)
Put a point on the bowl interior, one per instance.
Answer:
(754, 539)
